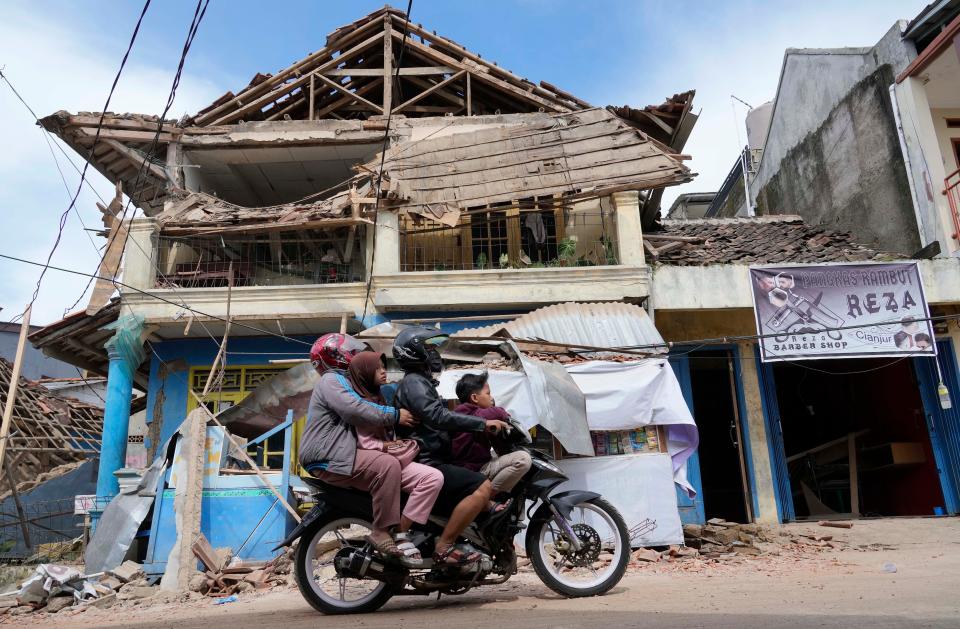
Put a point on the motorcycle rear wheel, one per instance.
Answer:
(313, 565)
(598, 524)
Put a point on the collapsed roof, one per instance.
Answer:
(337, 96)
(758, 240)
(47, 430)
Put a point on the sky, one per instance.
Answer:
(63, 55)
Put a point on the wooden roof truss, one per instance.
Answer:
(355, 76)
(47, 430)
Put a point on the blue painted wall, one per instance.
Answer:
(167, 395)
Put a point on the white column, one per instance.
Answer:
(757, 435)
(141, 255)
(626, 205)
(387, 258)
(917, 121)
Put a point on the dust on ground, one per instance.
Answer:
(891, 572)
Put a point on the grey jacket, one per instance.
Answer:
(329, 441)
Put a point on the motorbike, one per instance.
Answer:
(577, 543)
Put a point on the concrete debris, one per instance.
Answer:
(127, 571)
(720, 542)
(837, 524)
(136, 592)
(57, 603)
(111, 582)
(222, 578)
(645, 554)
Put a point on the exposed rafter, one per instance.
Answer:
(339, 80)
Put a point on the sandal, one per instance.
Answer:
(411, 554)
(387, 547)
(455, 555)
(499, 507)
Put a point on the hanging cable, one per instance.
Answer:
(198, 15)
(383, 157)
(96, 138)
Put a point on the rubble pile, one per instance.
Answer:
(223, 575)
(53, 589)
(720, 542)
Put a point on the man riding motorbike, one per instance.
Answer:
(465, 491)
(328, 449)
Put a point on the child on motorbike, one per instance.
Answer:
(472, 450)
(465, 493)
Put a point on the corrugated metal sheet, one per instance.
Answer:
(614, 325)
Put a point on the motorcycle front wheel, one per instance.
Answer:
(600, 562)
(317, 577)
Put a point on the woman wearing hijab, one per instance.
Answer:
(422, 483)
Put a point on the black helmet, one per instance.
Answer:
(415, 349)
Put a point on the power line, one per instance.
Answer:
(726, 340)
(383, 157)
(96, 138)
(163, 299)
(198, 14)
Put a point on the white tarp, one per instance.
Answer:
(619, 396)
(640, 486)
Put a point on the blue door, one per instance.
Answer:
(691, 509)
(778, 455)
(943, 424)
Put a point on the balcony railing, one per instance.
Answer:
(212, 261)
(951, 188)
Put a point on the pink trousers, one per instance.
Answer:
(382, 475)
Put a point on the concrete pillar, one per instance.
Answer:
(141, 254)
(387, 258)
(125, 350)
(917, 120)
(626, 205)
(757, 436)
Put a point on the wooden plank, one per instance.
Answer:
(123, 135)
(137, 159)
(345, 91)
(854, 477)
(387, 65)
(469, 96)
(324, 223)
(431, 90)
(313, 91)
(483, 77)
(14, 382)
(412, 71)
(282, 90)
(514, 240)
(300, 67)
(343, 100)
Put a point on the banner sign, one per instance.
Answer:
(841, 311)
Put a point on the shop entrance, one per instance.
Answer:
(855, 439)
(722, 465)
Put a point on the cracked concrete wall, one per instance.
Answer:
(849, 172)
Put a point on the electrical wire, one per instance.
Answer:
(198, 15)
(666, 344)
(96, 138)
(168, 301)
(383, 157)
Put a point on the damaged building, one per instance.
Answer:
(356, 192)
(356, 188)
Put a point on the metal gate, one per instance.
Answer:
(943, 424)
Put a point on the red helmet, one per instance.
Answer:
(335, 351)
